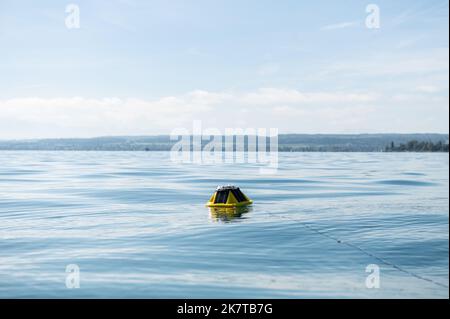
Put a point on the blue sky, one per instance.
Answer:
(147, 67)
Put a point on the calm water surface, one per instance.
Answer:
(136, 225)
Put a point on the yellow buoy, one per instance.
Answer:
(228, 196)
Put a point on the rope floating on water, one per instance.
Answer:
(366, 252)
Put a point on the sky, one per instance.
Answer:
(150, 67)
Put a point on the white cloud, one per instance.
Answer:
(420, 63)
(35, 117)
(268, 96)
(288, 110)
(342, 25)
(420, 11)
(428, 88)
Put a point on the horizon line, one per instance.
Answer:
(164, 135)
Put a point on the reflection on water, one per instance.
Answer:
(228, 214)
(136, 225)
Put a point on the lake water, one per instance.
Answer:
(136, 225)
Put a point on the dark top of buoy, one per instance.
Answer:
(226, 187)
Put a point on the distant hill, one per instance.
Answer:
(286, 143)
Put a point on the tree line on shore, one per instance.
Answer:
(418, 146)
(286, 143)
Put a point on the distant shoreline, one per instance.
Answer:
(422, 142)
(140, 151)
